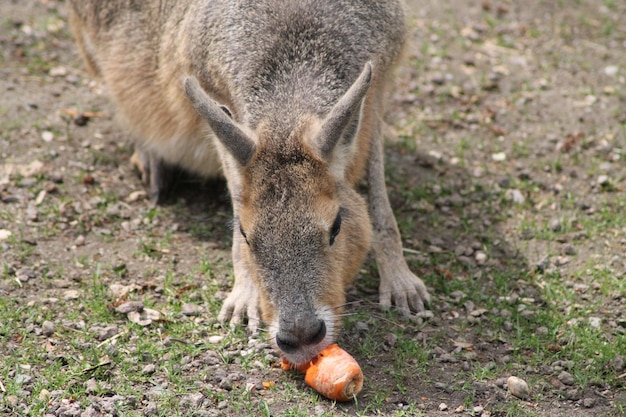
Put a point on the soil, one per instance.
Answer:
(510, 115)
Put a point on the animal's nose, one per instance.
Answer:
(299, 333)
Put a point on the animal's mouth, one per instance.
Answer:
(298, 348)
(305, 353)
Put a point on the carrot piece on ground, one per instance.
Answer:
(334, 373)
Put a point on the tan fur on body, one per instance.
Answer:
(300, 87)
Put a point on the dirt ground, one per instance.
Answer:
(508, 117)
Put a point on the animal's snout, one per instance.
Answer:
(299, 332)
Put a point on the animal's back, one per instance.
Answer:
(258, 57)
(298, 53)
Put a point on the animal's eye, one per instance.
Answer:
(335, 228)
(244, 235)
(227, 111)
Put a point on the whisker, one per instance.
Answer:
(262, 330)
(346, 304)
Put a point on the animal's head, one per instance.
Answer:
(306, 230)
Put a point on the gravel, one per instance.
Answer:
(513, 165)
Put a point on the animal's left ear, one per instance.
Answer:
(344, 116)
(219, 118)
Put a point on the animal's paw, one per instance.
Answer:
(241, 304)
(398, 285)
(155, 174)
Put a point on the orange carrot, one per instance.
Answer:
(333, 373)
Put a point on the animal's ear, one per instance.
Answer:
(240, 146)
(343, 113)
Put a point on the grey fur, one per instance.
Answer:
(303, 82)
(339, 117)
(240, 146)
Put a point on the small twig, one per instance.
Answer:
(413, 251)
(73, 330)
(2, 388)
(622, 376)
(88, 114)
(104, 342)
(181, 341)
(99, 365)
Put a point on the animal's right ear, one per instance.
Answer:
(339, 117)
(240, 146)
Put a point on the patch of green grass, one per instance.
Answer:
(24, 249)
(610, 4)
(520, 150)
(607, 28)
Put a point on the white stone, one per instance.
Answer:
(611, 70)
(595, 322)
(499, 156)
(47, 136)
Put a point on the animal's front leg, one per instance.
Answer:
(243, 300)
(398, 285)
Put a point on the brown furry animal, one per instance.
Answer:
(300, 87)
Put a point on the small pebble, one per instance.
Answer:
(543, 263)
(191, 309)
(80, 240)
(481, 258)
(12, 400)
(566, 378)
(192, 401)
(501, 382)
(105, 333)
(499, 156)
(595, 322)
(573, 394)
(361, 326)
(91, 386)
(391, 339)
(23, 379)
(71, 295)
(569, 250)
(47, 328)
(426, 314)
(151, 409)
(215, 339)
(515, 196)
(47, 136)
(611, 70)
(518, 387)
(618, 363)
(589, 402)
(319, 410)
(555, 225)
(603, 180)
(129, 306)
(443, 407)
(148, 369)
